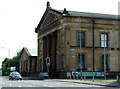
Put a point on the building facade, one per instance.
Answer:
(28, 62)
(78, 40)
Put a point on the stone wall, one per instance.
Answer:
(24, 62)
(101, 25)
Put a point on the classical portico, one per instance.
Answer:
(49, 50)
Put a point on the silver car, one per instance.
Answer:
(15, 75)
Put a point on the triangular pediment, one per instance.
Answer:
(49, 17)
(24, 53)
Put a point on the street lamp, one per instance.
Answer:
(104, 55)
(8, 51)
(8, 57)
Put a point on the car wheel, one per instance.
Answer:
(20, 79)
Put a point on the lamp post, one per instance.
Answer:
(8, 51)
(104, 56)
(8, 57)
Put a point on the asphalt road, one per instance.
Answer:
(45, 84)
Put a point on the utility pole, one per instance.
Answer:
(8, 51)
(8, 57)
(104, 56)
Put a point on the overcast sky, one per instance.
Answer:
(18, 19)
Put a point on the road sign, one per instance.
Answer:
(1, 72)
(90, 74)
(12, 68)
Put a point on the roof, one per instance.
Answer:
(93, 15)
(74, 14)
(30, 52)
(87, 14)
(33, 52)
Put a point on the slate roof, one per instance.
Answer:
(87, 14)
(30, 52)
(33, 52)
(83, 14)
(93, 15)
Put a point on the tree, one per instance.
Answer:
(13, 62)
(5, 66)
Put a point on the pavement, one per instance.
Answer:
(107, 83)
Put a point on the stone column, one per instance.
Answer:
(28, 65)
(44, 53)
(53, 56)
(48, 45)
(24, 67)
(20, 69)
(49, 50)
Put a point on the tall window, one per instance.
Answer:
(82, 39)
(102, 64)
(81, 62)
(104, 40)
(63, 62)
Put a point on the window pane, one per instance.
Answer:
(82, 39)
(103, 40)
(102, 36)
(105, 36)
(102, 43)
(81, 63)
(106, 58)
(82, 35)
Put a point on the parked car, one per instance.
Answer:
(15, 75)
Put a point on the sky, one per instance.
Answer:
(19, 18)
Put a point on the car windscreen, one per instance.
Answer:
(15, 74)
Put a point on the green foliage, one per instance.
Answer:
(5, 73)
(13, 62)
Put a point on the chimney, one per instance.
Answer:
(65, 12)
(48, 4)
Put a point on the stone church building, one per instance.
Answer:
(78, 40)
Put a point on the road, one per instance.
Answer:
(44, 84)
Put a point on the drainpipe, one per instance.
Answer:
(93, 48)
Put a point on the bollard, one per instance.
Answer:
(70, 76)
(67, 77)
(76, 76)
(73, 75)
(117, 78)
(84, 75)
(93, 77)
